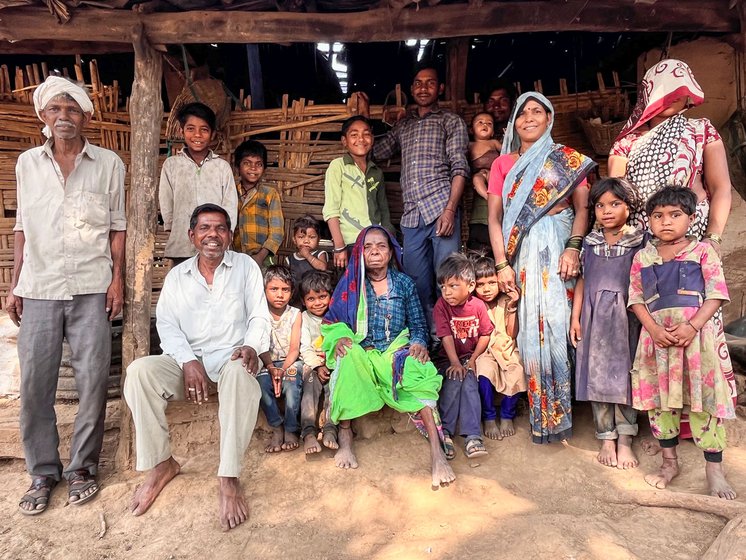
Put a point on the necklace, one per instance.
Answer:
(377, 278)
(614, 233)
(682, 240)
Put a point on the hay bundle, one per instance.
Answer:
(209, 91)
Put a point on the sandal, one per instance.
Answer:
(448, 448)
(475, 448)
(78, 483)
(38, 495)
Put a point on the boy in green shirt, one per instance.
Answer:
(354, 190)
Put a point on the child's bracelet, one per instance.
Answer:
(510, 309)
(695, 328)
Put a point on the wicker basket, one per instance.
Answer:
(601, 136)
(208, 91)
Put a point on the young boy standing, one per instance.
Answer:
(316, 290)
(192, 177)
(354, 190)
(260, 227)
(464, 328)
(282, 372)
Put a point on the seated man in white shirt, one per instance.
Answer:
(213, 322)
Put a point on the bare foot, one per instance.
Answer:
(490, 429)
(233, 508)
(719, 486)
(311, 444)
(292, 441)
(156, 480)
(607, 455)
(651, 446)
(441, 470)
(344, 458)
(626, 458)
(276, 441)
(506, 427)
(668, 471)
(329, 439)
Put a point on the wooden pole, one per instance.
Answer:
(458, 54)
(146, 112)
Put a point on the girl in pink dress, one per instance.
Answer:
(676, 287)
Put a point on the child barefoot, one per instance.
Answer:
(499, 368)
(482, 152)
(676, 287)
(283, 370)
(601, 328)
(307, 256)
(463, 326)
(316, 290)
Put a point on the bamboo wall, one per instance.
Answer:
(301, 138)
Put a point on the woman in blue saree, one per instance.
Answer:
(375, 339)
(537, 219)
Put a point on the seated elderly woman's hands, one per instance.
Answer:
(340, 350)
(419, 353)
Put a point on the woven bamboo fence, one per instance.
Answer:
(301, 138)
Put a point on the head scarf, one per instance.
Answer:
(530, 163)
(664, 83)
(348, 304)
(54, 86)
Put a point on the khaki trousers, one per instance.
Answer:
(152, 381)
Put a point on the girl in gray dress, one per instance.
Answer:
(603, 331)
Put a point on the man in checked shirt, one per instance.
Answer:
(433, 143)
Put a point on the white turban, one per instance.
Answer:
(54, 86)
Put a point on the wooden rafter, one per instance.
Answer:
(450, 20)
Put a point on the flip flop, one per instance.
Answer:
(475, 448)
(78, 483)
(448, 448)
(43, 484)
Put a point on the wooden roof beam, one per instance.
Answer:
(450, 20)
(62, 47)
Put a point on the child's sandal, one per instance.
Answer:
(475, 448)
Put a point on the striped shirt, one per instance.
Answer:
(629, 240)
(433, 150)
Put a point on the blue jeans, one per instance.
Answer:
(291, 390)
(459, 405)
(423, 253)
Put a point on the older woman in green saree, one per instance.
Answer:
(375, 339)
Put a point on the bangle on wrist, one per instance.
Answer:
(714, 237)
(340, 249)
(572, 249)
(690, 324)
(502, 265)
(449, 209)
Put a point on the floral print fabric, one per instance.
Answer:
(675, 377)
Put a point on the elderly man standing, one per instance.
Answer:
(67, 282)
(213, 321)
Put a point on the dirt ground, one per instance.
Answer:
(521, 501)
